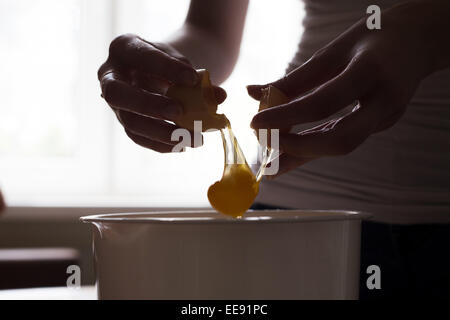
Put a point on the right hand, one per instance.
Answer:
(134, 80)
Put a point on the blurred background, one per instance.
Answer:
(62, 152)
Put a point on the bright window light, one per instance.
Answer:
(59, 142)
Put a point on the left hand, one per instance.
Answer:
(378, 69)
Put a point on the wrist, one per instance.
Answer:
(205, 51)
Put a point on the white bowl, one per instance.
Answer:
(270, 254)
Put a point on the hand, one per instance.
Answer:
(134, 80)
(378, 69)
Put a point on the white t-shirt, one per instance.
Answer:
(401, 175)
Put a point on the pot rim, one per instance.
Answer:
(213, 217)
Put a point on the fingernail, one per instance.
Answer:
(189, 77)
(254, 86)
(173, 111)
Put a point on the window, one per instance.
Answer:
(61, 145)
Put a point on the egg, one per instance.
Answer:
(238, 187)
(236, 191)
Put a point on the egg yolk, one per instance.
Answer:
(238, 187)
(235, 192)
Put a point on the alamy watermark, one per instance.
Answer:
(74, 279)
(373, 22)
(374, 280)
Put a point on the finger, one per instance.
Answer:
(255, 90)
(123, 96)
(220, 94)
(319, 104)
(320, 68)
(287, 163)
(149, 144)
(148, 83)
(325, 64)
(336, 137)
(170, 51)
(136, 53)
(153, 129)
(133, 77)
(104, 69)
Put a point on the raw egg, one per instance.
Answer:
(238, 187)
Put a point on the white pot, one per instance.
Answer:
(273, 254)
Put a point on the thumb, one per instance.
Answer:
(220, 94)
(255, 90)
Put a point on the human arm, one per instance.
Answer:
(137, 72)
